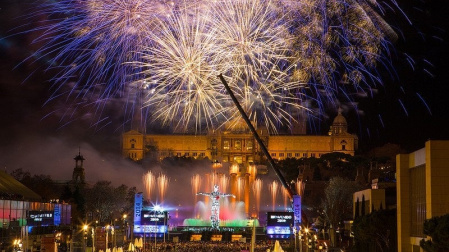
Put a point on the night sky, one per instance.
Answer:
(44, 137)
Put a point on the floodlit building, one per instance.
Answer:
(236, 144)
(369, 200)
(422, 193)
(22, 211)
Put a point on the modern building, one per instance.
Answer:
(422, 178)
(22, 212)
(236, 144)
(369, 200)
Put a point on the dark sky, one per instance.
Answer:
(44, 138)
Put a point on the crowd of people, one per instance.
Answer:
(202, 246)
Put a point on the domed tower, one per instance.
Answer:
(341, 140)
(339, 126)
(78, 176)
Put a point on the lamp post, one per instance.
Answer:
(306, 230)
(294, 236)
(125, 226)
(85, 236)
(113, 237)
(107, 234)
(17, 244)
(93, 239)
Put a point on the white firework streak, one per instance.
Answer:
(181, 68)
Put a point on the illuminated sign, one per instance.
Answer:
(152, 222)
(150, 229)
(279, 224)
(280, 219)
(153, 218)
(137, 208)
(278, 230)
(57, 214)
(297, 209)
(40, 218)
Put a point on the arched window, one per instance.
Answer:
(133, 143)
(343, 144)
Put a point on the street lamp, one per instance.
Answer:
(125, 226)
(85, 236)
(306, 230)
(93, 239)
(294, 235)
(17, 245)
(107, 234)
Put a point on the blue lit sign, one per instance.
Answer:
(278, 230)
(141, 229)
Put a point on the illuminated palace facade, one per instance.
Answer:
(237, 145)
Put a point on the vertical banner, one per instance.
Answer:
(138, 200)
(57, 215)
(297, 209)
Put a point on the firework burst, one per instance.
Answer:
(279, 56)
(182, 72)
(256, 43)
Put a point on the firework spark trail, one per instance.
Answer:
(182, 73)
(95, 39)
(279, 56)
(255, 40)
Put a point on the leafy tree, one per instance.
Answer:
(80, 205)
(40, 184)
(105, 202)
(66, 194)
(438, 229)
(316, 174)
(376, 231)
(363, 206)
(289, 167)
(20, 175)
(357, 209)
(337, 203)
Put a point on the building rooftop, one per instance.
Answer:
(10, 188)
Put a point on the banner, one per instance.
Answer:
(297, 209)
(138, 200)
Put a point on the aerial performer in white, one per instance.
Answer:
(215, 210)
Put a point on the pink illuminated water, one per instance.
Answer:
(257, 189)
(299, 187)
(162, 183)
(274, 188)
(149, 182)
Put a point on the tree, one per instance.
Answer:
(66, 195)
(289, 167)
(106, 202)
(316, 174)
(357, 208)
(40, 184)
(80, 205)
(375, 231)
(337, 203)
(363, 212)
(438, 229)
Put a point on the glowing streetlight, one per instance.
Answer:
(85, 227)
